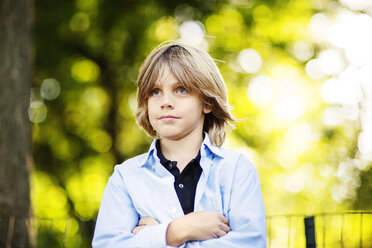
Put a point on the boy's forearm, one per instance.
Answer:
(175, 235)
(200, 225)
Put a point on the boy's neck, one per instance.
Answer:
(182, 150)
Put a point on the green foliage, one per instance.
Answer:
(93, 50)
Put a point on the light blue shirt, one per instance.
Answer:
(142, 187)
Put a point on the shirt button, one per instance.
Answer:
(180, 186)
(174, 210)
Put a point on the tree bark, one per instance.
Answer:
(15, 128)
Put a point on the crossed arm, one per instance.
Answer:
(201, 225)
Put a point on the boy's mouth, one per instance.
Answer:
(168, 117)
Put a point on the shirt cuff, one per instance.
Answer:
(158, 235)
(161, 231)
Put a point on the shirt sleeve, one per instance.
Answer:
(117, 217)
(247, 218)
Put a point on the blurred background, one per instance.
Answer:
(299, 76)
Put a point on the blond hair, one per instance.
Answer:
(197, 72)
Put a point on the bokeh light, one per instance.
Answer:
(48, 198)
(86, 187)
(331, 61)
(358, 5)
(250, 60)
(340, 91)
(165, 29)
(95, 101)
(37, 112)
(319, 27)
(192, 32)
(262, 13)
(50, 89)
(333, 116)
(260, 90)
(100, 140)
(85, 71)
(303, 50)
(314, 70)
(355, 41)
(79, 22)
(365, 141)
(291, 101)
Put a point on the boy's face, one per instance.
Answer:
(174, 113)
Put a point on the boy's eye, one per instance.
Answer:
(155, 92)
(181, 90)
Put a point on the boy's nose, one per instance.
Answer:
(166, 102)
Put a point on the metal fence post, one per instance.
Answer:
(310, 232)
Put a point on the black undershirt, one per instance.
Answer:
(186, 181)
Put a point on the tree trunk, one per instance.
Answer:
(15, 133)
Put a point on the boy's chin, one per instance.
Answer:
(170, 137)
(176, 136)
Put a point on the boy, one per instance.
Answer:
(185, 191)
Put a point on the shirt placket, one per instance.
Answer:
(174, 207)
(205, 163)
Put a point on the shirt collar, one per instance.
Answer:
(149, 154)
(168, 163)
(206, 150)
(207, 147)
(163, 160)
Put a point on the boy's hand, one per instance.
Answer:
(146, 221)
(197, 226)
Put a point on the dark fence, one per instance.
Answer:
(346, 229)
(343, 229)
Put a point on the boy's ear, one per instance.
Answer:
(206, 109)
